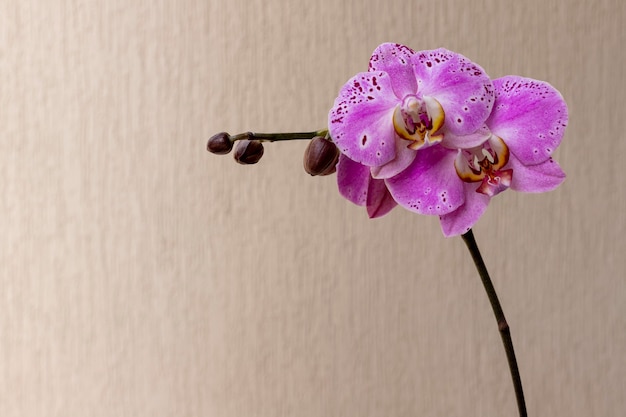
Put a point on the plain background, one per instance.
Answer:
(142, 276)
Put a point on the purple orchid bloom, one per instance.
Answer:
(418, 130)
(407, 102)
(513, 150)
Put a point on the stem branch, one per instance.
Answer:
(274, 137)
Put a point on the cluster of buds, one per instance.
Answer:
(320, 156)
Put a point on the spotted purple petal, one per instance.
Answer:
(539, 178)
(430, 185)
(461, 87)
(472, 140)
(379, 201)
(361, 120)
(463, 218)
(395, 60)
(404, 158)
(530, 116)
(353, 180)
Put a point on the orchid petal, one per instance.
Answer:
(435, 113)
(468, 172)
(536, 178)
(430, 184)
(404, 158)
(530, 116)
(395, 60)
(361, 120)
(461, 87)
(356, 184)
(379, 200)
(471, 140)
(463, 218)
(353, 180)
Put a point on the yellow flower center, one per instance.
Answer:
(484, 164)
(419, 120)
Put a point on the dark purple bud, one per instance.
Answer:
(320, 157)
(220, 144)
(248, 152)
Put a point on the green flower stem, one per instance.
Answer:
(503, 326)
(274, 137)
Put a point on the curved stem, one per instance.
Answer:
(503, 326)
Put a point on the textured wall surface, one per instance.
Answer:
(142, 276)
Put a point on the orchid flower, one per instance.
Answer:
(512, 150)
(406, 102)
(407, 137)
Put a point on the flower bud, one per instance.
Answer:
(220, 144)
(320, 157)
(248, 152)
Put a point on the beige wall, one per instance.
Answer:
(142, 276)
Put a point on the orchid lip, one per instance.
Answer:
(418, 120)
(484, 164)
